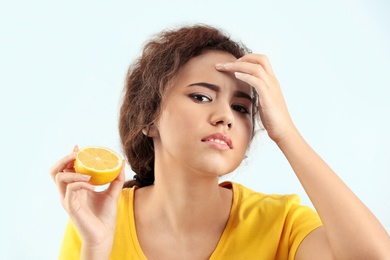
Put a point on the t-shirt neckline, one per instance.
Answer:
(222, 240)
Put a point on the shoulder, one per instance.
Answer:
(274, 221)
(127, 194)
(278, 212)
(126, 201)
(246, 197)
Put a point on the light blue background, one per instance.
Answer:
(63, 64)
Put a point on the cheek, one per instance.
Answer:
(247, 126)
(246, 137)
(176, 123)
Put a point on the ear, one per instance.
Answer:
(150, 131)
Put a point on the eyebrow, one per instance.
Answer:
(237, 93)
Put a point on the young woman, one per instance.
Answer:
(189, 110)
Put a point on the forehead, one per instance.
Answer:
(202, 69)
(211, 57)
(206, 62)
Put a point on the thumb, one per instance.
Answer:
(117, 184)
(76, 148)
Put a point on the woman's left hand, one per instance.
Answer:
(256, 70)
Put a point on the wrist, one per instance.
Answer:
(286, 136)
(98, 251)
(95, 253)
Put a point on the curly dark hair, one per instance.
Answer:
(147, 81)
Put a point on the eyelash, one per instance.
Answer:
(241, 109)
(200, 98)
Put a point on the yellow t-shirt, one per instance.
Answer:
(260, 226)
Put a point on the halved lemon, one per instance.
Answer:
(101, 163)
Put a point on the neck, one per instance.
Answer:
(185, 200)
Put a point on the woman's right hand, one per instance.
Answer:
(93, 213)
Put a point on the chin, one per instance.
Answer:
(212, 164)
(216, 170)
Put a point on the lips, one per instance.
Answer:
(219, 140)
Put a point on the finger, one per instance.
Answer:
(63, 179)
(251, 80)
(72, 193)
(76, 148)
(62, 164)
(70, 166)
(245, 67)
(69, 177)
(259, 59)
(76, 186)
(117, 184)
(256, 76)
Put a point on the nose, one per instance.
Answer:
(223, 115)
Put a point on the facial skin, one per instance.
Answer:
(203, 105)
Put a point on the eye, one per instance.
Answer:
(200, 97)
(241, 109)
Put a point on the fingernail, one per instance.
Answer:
(75, 148)
(219, 66)
(228, 65)
(238, 74)
(85, 177)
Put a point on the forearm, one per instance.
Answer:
(352, 230)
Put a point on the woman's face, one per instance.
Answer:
(206, 123)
